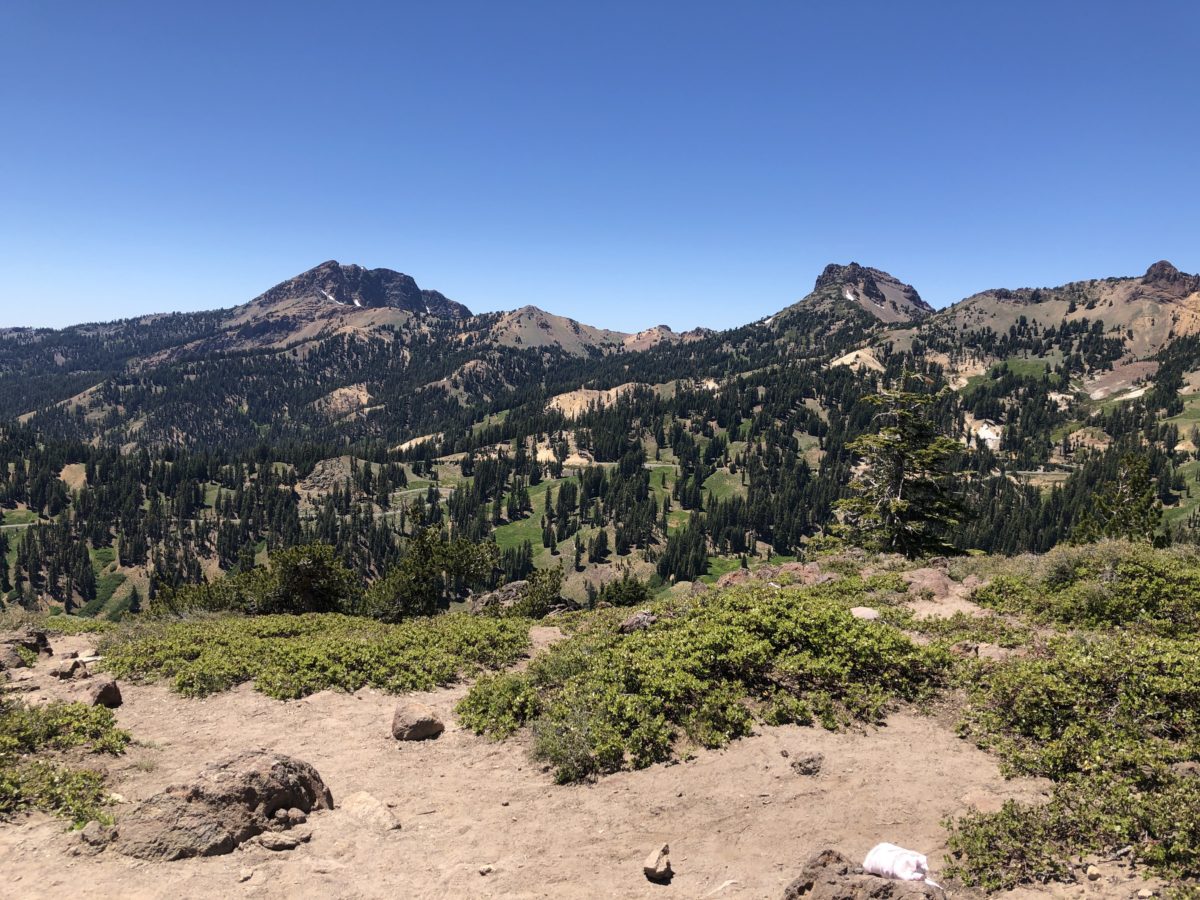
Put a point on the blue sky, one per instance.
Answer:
(624, 164)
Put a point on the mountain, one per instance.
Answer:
(882, 295)
(353, 407)
(352, 285)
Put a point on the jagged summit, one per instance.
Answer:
(1163, 273)
(879, 293)
(352, 285)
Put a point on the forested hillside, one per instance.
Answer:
(351, 407)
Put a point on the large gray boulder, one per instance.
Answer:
(230, 802)
(831, 876)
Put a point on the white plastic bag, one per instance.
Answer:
(891, 861)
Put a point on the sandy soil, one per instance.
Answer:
(740, 822)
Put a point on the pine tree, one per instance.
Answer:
(902, 503)
(1125, 507)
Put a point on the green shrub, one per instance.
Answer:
(1109, 717)
(77, 794)
(293, 656)
(58, 726)
(26, 783)
(606, 700)
(1105, 584)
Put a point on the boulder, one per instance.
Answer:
(639, 621)
(370, 811)
(10, 658)
(415, 721)
(831, 876)
(805, 573)
(69, 668)
(737, 576)
(657, 867)
(502, 598)
(936, 583)
(230, 802)
(103, 692)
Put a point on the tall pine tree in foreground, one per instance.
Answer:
(902, 500)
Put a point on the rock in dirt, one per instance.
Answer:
(69, 668)
(657, 867)
(284, 840)
(103, 692)
(415, 721)
(370, 811)
(808, 763)
(31, 639)
(639, 621)
(230, 802)
(96, 835)
(831, 876)
(10, 658)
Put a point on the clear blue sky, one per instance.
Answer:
(625, 164)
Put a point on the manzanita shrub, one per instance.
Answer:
(602, 701)
(288, 656)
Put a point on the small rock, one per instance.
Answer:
(808, 763)
(1145, 894)
(415, 721)
(10, 658)
(296, 817)
(657, 867)
(245, 875)
(370, 812)
(103, 692)
(96, 835)
(639, 621)
(485, 870)
(1093, 873)
(864, 612)
(71, 654)
(284, 840)
(784, 754)
(71, 668)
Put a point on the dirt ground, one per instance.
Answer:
(739, 821)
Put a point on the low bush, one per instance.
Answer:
(601, 701)
(29, 783)
(292, 656)
(1112, 718)
(1101, 585)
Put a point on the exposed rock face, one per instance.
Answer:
(355, 286)
(415, 721)
(1164, 274)
(876, 291)
(502, 598)
(831, 876)
(32, 640)
(638, 622)
(230, 802)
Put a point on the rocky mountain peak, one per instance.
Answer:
(878, 292)
(1162, 272)
(356, 286)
